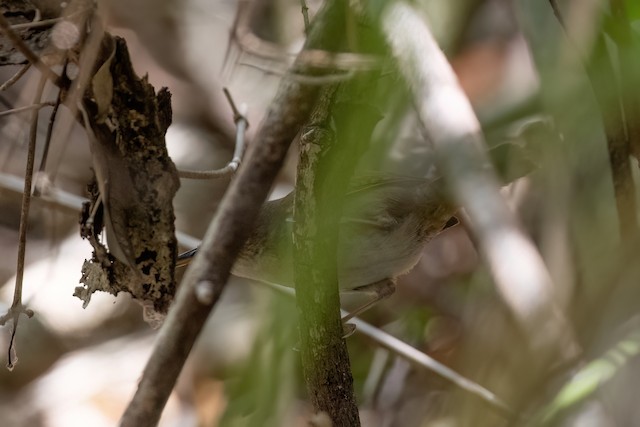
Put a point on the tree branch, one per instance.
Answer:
(327, 161)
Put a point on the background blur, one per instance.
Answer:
(518, 67)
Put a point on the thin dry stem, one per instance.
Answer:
(16, 306)
(80, 83)
(317, 58)
(27, 108)
(13, 79)
(242, 124)
(47, 140)
(309, 80)
(305, 15)
(46, 22)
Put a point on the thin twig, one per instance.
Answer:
(257, 47)
(425, 361)
(56, 198)
(80, 83)
(47, 141)
(46, 22)
(418, 358)
(308, 80)
(305, 15)
(318, 58)
(16, 306)
(13, 79)
(27, 108)
(5, 27)
(240, 119)
(236, 113)
(36, 24)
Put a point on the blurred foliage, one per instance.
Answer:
(521, 69)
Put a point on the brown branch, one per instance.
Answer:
(226, 235)
(305, 15)
(450, 123)
(324, 170)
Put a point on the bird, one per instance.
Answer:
(386, 221)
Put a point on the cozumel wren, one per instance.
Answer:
(386, 221)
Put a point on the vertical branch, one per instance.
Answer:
(16, 306)
(330, 147)
(305, 15)
(325, 360)
(321, 181)
(52, 120)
